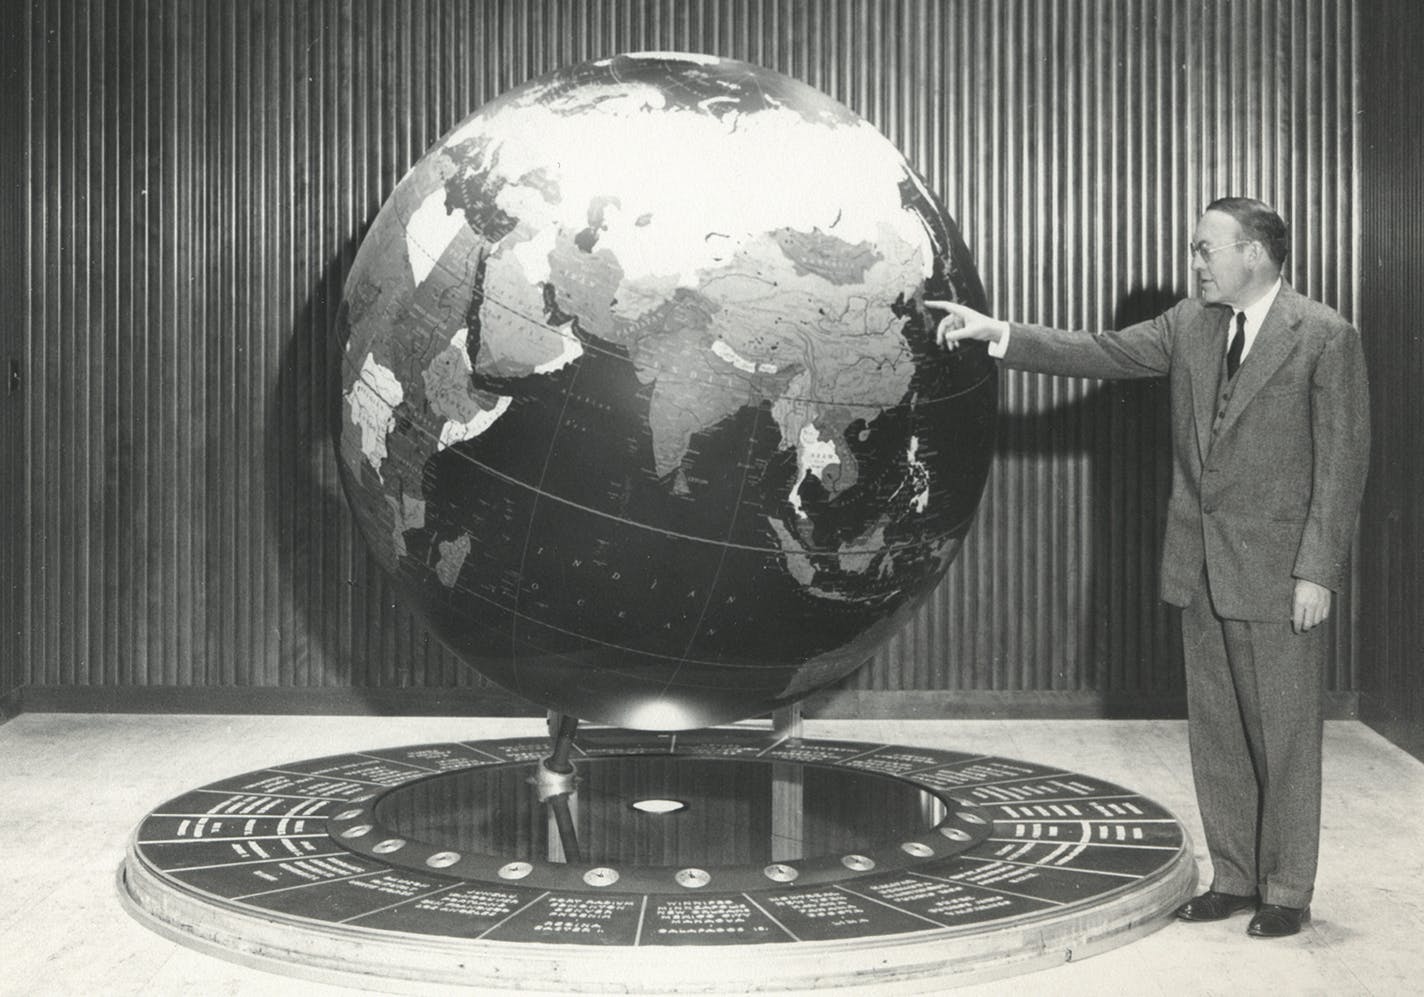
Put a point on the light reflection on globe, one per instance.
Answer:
(640, 407)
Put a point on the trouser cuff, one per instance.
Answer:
(1235, 887)
(1285, 897)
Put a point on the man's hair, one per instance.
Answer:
(1259, 222)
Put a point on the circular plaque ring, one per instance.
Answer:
(307, 866)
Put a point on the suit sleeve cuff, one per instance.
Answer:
(997, 350)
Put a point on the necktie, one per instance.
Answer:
(1238, 342)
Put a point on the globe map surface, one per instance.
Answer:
(641, 407)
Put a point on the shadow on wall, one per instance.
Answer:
(342, 624)
(343, 627)
(1128, 646)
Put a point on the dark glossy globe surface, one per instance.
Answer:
(640, 405)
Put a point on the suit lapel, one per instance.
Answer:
(1205, 349)
(1273, 344)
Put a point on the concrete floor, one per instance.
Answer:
(74, 787)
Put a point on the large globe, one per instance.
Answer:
(641, 407)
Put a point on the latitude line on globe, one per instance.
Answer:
(359, 374)
(758, 550)
(950, 532)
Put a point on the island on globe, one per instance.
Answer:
(641, 405)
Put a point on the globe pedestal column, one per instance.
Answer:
(555, 782)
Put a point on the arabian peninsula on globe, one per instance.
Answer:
(641, 409)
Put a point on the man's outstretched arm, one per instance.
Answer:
(1141, 350)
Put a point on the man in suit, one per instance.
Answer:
(1270, 439)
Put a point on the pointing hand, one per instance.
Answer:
(963, 322)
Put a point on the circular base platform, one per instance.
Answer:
(712, 861)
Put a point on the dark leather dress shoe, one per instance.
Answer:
(1275, 921)
(1214, 906)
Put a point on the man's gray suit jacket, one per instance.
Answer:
(1268, 469)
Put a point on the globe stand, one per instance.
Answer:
(807, 864)
(555, 782)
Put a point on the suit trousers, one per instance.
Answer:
(1255, 707)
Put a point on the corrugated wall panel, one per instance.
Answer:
(13, 280)
(201, 172)
(1094, 134)
(1391, 301)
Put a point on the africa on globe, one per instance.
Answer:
(641, 408)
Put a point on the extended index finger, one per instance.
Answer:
(946, 306)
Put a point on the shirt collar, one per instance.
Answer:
(1256, 311)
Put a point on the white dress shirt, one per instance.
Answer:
(1255, 315)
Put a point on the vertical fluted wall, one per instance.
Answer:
(1077, 143)
(199, 174)
(1391, 302)
(12, 349)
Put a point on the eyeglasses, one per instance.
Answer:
(1203, 252)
